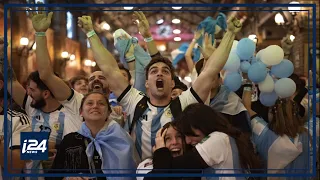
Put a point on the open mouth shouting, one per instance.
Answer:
(159, 84)
(97, 85)
(176, 151)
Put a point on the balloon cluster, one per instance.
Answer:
(267, 68)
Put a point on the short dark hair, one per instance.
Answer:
(73, 80)
(121, 67)
(158, 59)
(35, 77)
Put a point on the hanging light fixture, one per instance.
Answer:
(279, 19)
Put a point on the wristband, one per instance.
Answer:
(149, 39)
(91, 33)
(129, 59)
(247, 89)
(40, 34)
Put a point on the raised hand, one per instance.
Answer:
(143, 24)
(40, 21)
(208, 47)
(85, 23)
(160, 139)
(234, 25)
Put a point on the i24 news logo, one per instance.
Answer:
(34, 145)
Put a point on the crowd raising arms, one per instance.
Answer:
(91, 117)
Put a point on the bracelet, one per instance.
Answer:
(129, 59)
(91, 33)
(40, 34)
(149, 39)
(247, 89)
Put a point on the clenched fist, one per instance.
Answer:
(85, 23)
(234, 25)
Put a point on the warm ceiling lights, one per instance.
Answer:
(175, 21)
(177, 38)
(127, 8)
(176, 31)
(160, 21)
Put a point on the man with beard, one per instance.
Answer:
(159, 82)
(69, 98)
(45, 112)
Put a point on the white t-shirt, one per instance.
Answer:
(144, 167)
(19, 123)
(153, 118)
(222, 156)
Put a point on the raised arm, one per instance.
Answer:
(41, 22)
(103, 57)
(16, 90)
(144, 29)
(217, 60)
(188, 55)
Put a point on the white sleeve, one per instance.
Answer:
(72, 104)
(214, 148)
(129, 98)
(189, 97)
(19, 125)
(144, 168)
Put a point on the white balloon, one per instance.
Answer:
(267, 85)
(272, 55)
(234, 44)
(233, 62)
(285, 87)
(259, 54)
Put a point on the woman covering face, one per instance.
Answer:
(174, 141)
(100, 144)
(217, 145)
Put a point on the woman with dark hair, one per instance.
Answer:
(217, 144)
(284, 142)
(174, 141)
(99, 146)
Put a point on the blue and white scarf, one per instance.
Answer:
(114, 147)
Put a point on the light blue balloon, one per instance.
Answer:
(245, 48)
(233, 81)
(285, 87)
(268, 99)
(233, 62)
(244, 66)
(257, 72)
(253, 60)
(283, 70)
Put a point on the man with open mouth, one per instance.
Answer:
(159, 82)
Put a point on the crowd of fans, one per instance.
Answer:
(138, 117)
